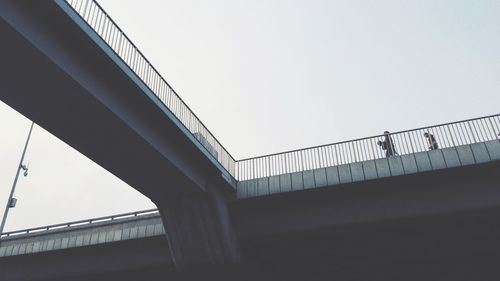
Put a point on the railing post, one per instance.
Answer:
(495, 134)
(354, 152)
(269, 166)
(319, 158)
(451, 136)
(472, 132)
(285, 158)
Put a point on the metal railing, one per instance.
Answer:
(404, 142)
(87, 222)
(370, 148)
(97, 19)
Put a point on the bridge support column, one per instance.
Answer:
(198, 230)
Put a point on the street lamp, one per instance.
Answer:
(11, 203)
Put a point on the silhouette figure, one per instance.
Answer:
(431, 140)
(387, 145)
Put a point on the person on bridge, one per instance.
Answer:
(431, 140)
(387, 145)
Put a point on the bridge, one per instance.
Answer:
(351, 210)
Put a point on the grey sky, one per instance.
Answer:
(269, 76)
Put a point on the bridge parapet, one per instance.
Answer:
(90, 232)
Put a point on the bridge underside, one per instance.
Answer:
(456, 246)
(459, 246)
(440, 225)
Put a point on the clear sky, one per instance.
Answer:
(268, 76)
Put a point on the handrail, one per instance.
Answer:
(370, 137)
(79, 223)
(102, 24)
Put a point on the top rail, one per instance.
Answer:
(97, 19)
(92, 221)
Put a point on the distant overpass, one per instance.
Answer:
(83, 233)
(67, 66)
(108, 244)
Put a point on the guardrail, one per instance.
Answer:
(386, 145)
(97, 19)
(79, 223)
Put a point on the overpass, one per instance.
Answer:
(68, 67)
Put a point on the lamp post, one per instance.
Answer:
(11, 203)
